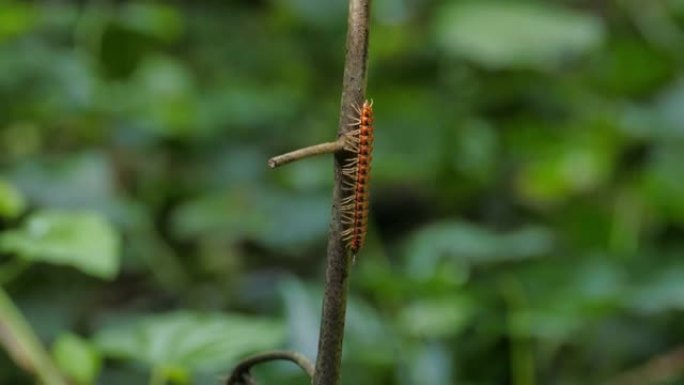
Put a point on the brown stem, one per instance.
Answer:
(335, 297)
(241, 376)
(318, 149)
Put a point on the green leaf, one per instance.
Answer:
(472, 244)
(669, 111)
(662, 184)
(11, 201)
(16, 19)
(476, 150)
(663, 292)
(508, 34)
(158, 20)
(279, 220)
(545, 324)
(302, 315)
(573, 165)
(430, 363)
(189, 340)
(629, 67)
(78, 180)
(366, 331)
(437, 317)
(77, 358)
(368, 334)
(165, 99)
(323, 14)
(82, 239)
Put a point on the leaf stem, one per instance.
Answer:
(22, 344)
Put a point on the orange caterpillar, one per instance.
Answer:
(354, 204)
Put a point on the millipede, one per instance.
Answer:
(356, 175)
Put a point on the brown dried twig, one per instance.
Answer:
(318, 149)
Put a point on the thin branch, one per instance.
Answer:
(241, 376)
(23, 346)
(318, 149)
(334, 310)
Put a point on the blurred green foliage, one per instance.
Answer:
(527, 215)
(83, 240)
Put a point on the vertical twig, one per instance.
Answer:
(335, 297)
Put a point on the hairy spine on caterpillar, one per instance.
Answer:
(356, 174)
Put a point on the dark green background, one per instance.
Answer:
(527, 209)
